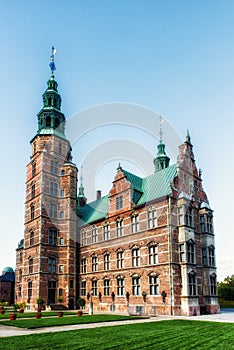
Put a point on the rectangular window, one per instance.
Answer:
(61, 193)
(106, 232)
(120, 286)
(180, 216)
(53, 236)
(202, 224)
(52, 265)
(119, 226)
(61, 241)
(53, 189)
(182, 253)
(61, 215)
(33, 190)
(60, 292)
(190, 252)
(135, 223)
(19, 292)
(54, 167)
(71, 284)
(192, 284)
(135, 257)
(94, 263)
(204, 256)
(153, 254)
(83, 288)
(106, 262)
(33, 169)
(153, 284)
(211, 256)
(152, 218)
(94, 287)
(61, 268)
(94, 235)
(119, 202)
(209, 224)
(53, 210)
(136, 286)
(83, 238)
(106, 287)
(120, 260)
(83, 265)
(189, 217)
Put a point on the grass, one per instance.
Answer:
(63, 321)
(172, 335)
(32, 314)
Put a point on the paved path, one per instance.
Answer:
(8, 331)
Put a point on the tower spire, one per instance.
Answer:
(162, 160)
(50, 118)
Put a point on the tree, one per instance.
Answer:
(226, 288)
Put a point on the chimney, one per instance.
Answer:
(99, 194)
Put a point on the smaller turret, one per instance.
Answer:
(162, 160)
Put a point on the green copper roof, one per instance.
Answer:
(7, 269)
(51, 131)
(136, 181)
(148, 189)
(94, 211)
(158, 184)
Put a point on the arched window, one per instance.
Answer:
(135, 285)
(153, 253)
(135, 223)
(33, 186)
(119, 227)
(120, 286)
(56, 122)
(106, 231)
(213, 285)
(33, 169)
(55, 102)
(153, 284)
(192, 283)
(106, 261)
(94, 263)
(30, 265)
(32, 211)
(152, 218)
(135, 256)
(48, 120)
(106, 287)
(94, 287)
(190, 247)
(120, 258)
(29, 289)
(49, 101)
(83, 288)
(31, 238)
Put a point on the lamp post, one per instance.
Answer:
(91, 303)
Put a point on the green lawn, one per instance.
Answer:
(69, 320)
(175, 334)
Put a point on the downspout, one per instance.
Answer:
(170, 254)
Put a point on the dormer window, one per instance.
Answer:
(119, 202)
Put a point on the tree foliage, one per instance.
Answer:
(226, 288)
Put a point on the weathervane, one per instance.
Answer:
(52, 64)
(160, 129)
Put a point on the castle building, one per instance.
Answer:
(145, 248)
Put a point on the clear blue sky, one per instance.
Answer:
(176, 57)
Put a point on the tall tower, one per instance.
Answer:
(46, 258)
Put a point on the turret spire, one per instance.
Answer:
(81, 200)
(52, 64)
(162, 160)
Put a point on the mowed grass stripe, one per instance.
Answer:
(175, 334)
